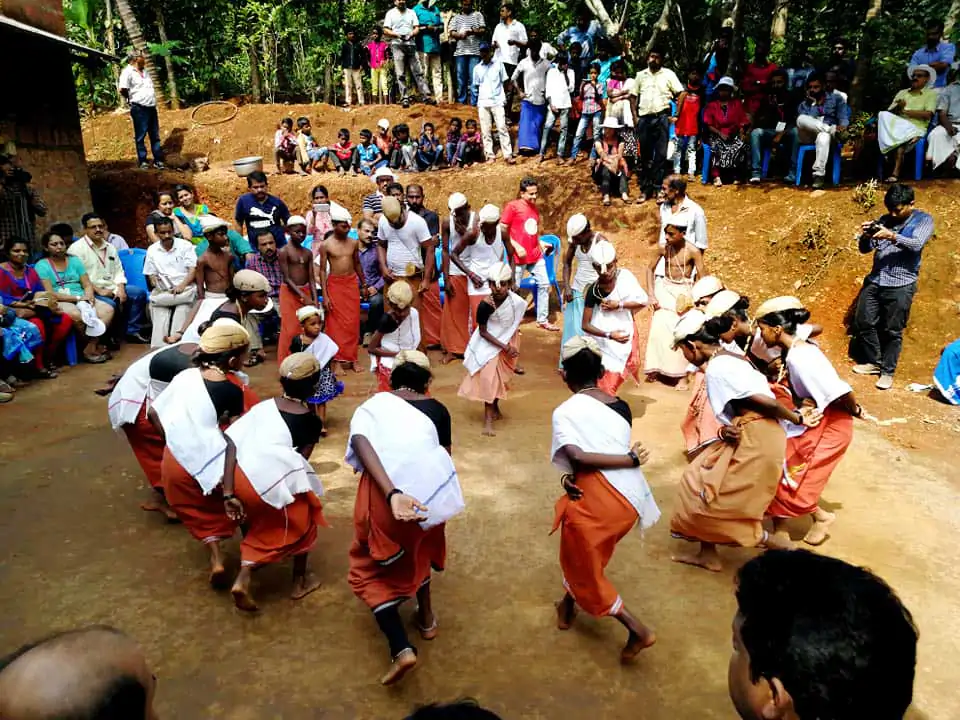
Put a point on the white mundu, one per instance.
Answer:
(405, 337)
(731, 378)
(627, 290)
(503, 325)
(479, 258)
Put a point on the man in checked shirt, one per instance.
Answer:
(896, 241)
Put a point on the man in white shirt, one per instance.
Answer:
(404, 240)
(654, 88)
(106, 274)
(560, 86)
(400, 26)
(171, 268)
(530, 77)
(136, 87)
(509, 40)
(678, 209)
(489, 77)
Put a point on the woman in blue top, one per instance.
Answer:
(189, 211)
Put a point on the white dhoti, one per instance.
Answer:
(211, 302)
(660, 357)
(940, 146)
(894, 131)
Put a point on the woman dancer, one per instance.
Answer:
(399, 330)
(580, 241)
(727, 488)
(190, 416)
(400, 441)
(269, 484)
(609, 305)
(491, 356)
(814, 453)
(606, 492)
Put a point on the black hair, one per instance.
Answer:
(934, 24)
(256, 176)
(583, 369)
(399, 128)
(14, 240)
(677, 183)
(410, 375)
(467, 709)
(787, 319)
(535, 45)
(429, 125)
(183, 186)
(470, 121)
(64, 230)
(344, 131)
(677, 226)
(302, 121)
(321, 188)
(456, 120)
(395, 186)
(527, 183)
(509, 6)
(655, 50)
(347, 30)
(85, 220)
(561, 59)
(618, 65)
(287, 121)
(367, 221)
(594, 66)
(5, 159)
(162, 221)
(365, 133)
(160, 193)
(418, 186)
(712, 329)
(898, 194)
(814, 77)
(300, 389)
(739, 309)
(219, 359)
(781, 73)
(578, 46)
(836, 635)
(840, 41)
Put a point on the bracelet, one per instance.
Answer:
(607, 335)
(621, 305)
(635, 458)
(395, 491)
(229, 496)
(799, 420)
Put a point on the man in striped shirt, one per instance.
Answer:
(896, 240)
(466, 27)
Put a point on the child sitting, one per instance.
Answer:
(453, 141)
(471, 145)
(403, 150)
(312, 339)
(428, 149)
(310, 156)
(284, 144)
(367, 156)
(341, 153)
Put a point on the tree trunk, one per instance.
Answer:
(168, 61)
(610, 26)
(857, 87)
(328, 81)
(111, 41)
(256, 86)
(736, 43)
(952, 17)
(661, 26)
(132, 27)
(778, 27)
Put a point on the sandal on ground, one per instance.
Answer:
(95, 359)
(606, 201)
(255, 360)
(47, 374)
(717, 182)
(892, 179)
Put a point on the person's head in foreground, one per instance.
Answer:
(459, 710)
(411, 371)
(224, 345)
(299, 375)
(604, 259)
(250, 289)
(581, 361)
(816, 638)
(399, 300)
(96, 673)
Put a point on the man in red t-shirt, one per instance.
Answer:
(520, 221)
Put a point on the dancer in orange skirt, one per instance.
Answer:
(400, 442)
(191, 415)
(606, 493)
(727, 488)
(609, 307)
(269, 484)
(476, 255)
(430, 307)
(491, 356)
(399, 330)
(461, 227)
(812, 453)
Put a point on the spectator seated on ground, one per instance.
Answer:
(284, 145)
(429, 148)
(943, 142)
(773, 122)
(820, 116)
(403, 149)
(170, 268)
(311, 157)
(342, 152)
(906, 120)
(470, 149)
(727, 123)
(610, 171)
(368, 157)
(65, 277)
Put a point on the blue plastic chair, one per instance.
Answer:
(920, 156)
(528, 283)
(132, 260)
(705, 170)
(70, 349)
(834, 151)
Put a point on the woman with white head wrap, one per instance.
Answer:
(476, 254)
(606, 493)
(399, 330)
(580, 241)
(191, 415)
(461, 227)
(727, 488)
(609, 306)
(491, 356)
(400, 441)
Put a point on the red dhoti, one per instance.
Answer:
(343, 321)
(203, 515)
(455, 319)
(289, 325)
(272, 534)
(430, 316)
(383, 378)
(492, 381)
(147, 446)
(389, 560)
(700, 424)
(590, 529)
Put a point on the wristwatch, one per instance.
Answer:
(635, 458)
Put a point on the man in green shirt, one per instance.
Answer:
(428, 43)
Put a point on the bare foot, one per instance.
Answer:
(779, 541)
(650, 377)
(488, 430)
(497, 415)
(818, 533)
(243, 599)
(708, 560)
(446, 359)
(304, 585)
(402, 664)
(160, 507)
(566, 612)
(356, 367)
(637, 643)
(218, 575)
(427, 626)
(682, 385)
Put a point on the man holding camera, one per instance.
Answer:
(400, 27)
(896, 240)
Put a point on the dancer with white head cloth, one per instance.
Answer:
(476, 254)
(580, 241)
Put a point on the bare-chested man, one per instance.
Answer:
(669, 276)
(341, 276)
(298, 288)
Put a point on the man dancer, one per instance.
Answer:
(298, 289)
(404, 241)
(430, 309)
(340, 285)
(459, 228)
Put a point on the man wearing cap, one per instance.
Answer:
(136, 87)
(459, 229)
(467, 27)
(400, 26)
(298, 289)
(405, 240)
(171, 268)
(580, 241)
(489, 77)
(476, 253)
(654, 88)
(109, 282)
(373, 203)
(340, 285)
(430, 307)
(258, 210)
(937, 53)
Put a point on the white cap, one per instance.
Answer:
(382, 173)
(499, 273)
(721, 303)
(209, 223)
(489, 213)
(309, 311)
(705, 286)
(456, 201)
(726, 80)
(95, 326)
(779, 304)
(603, 254)
(338, 213)
(383, 124)
(296, 220)
(690, 322)
(577, 224)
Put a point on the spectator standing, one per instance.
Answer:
(843, 65)
(756, 76)
(773, 122)
(560, 86)
(679, 210)
(689, 108)
(171, 268)
(428, 43)
(591, 110)
(508, 42)
(937, 53)
(655, 87)
(353, 59)
(896, 240)
(943, 142)
(467, 28)
(531, 77)
(716, 61)
(259, 210)
(136, 87)
(584, 32)
(379, 75)
(819, 117)
(489, 77)
(20, 205)
(400, 26)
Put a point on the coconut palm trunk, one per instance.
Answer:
(132, 26)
